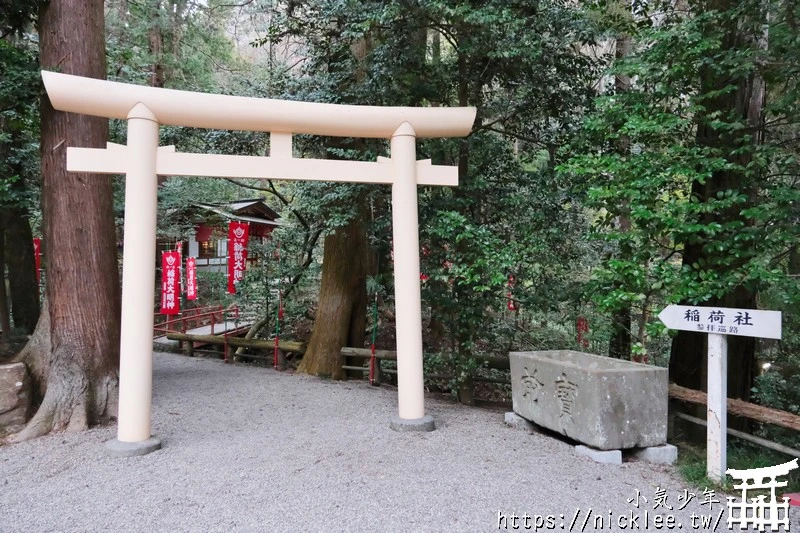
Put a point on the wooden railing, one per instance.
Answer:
(194, 318)
(231, 339)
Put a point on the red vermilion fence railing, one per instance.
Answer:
(194, 318)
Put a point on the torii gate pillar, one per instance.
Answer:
(138, 287)
(408, 302)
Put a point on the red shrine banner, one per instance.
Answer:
(179, 249)
(582, 327)
(191, 278)
(238, 233)
(512, 304)
(170, 283)
(37, 255)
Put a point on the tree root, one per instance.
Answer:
(71, 406)
(64, 408)
(36, 354)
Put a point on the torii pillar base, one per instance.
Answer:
(117, 448)
(425, 423)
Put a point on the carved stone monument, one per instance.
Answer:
(606, 403)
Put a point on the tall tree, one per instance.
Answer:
(341, 313)
(708, 180)
(79, 370)
(502, 57)
(730, 98)
(339, 65)
(5, 317)
(620, 343)
(23, 287)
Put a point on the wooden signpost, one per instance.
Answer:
(718, 323)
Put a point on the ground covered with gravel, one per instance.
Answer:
(251, 449)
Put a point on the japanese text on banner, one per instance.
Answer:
(191, 278)
(170, 283)
(238, 233)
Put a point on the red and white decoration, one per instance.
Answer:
(170, 283)
(238, 233)
(191, 278)
(37, 255)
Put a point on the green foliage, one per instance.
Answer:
(193, 50)
(741, 455)
(19, 123)
(644, 148)
(518, 64)
(589, 201)
(17, 16)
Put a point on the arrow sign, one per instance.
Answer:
(718, 322)
(723, 321)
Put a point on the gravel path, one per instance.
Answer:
(251, 449)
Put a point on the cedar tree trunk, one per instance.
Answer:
(341, 315)
(82, 285)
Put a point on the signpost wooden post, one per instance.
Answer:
(718, 323)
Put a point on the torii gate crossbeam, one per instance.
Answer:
(142, 160)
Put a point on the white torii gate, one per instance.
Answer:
(142, 160)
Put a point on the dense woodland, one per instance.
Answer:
(626, 155)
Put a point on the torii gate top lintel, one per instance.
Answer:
(171, 107)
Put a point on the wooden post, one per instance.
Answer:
(720, 322)
(716, 412)
(376, 378)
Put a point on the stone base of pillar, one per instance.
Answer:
(117, 448)
(425, 423)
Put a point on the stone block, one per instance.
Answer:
(516, 421)
(117, 448)
(666, 454)
(15, 396)
(605, 403)
(426, 423)
(608, 457)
